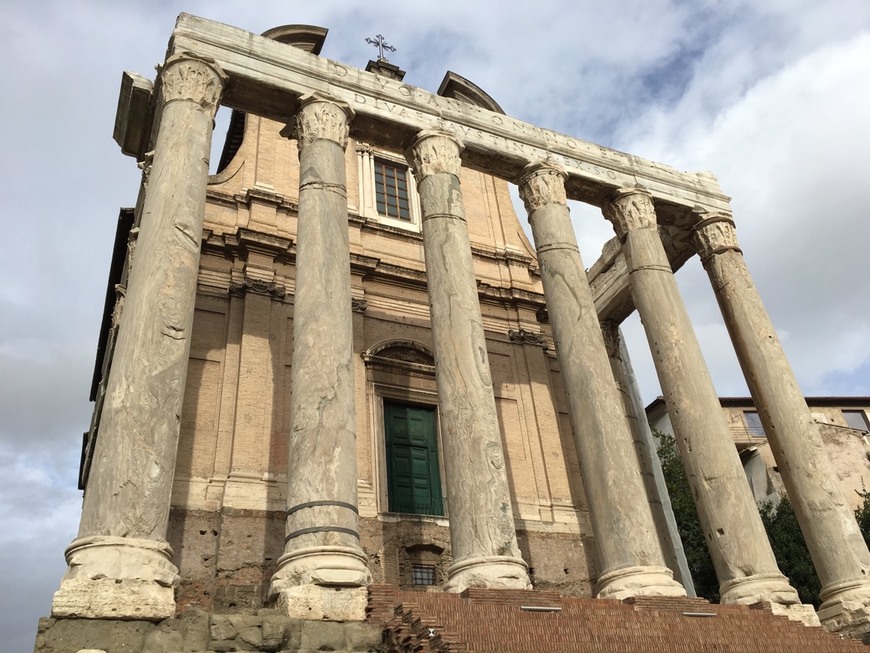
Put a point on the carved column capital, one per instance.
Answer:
(630, 209)
(435, 152)
(541, 184)
(322, 117)
(194, 79)
(612, 337)
(714, 235)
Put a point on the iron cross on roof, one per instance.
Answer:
(381, 45)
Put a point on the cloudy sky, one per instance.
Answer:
(773, 97)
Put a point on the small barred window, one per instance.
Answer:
(423, 574)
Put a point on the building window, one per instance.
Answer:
(387, 190)
(413, 477)
(753, 424)
(391, 190)
(856, 419)
(423, 574)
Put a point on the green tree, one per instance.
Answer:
(790, 549)
(862, 514)
(779, 521)
(686, 516)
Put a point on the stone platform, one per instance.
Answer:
(199, 632)
(476, 620)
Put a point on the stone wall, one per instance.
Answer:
(198, 632)
(227, 558)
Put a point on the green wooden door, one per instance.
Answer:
(414, 482)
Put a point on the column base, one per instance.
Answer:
(494, 572)
(845, 607)
(321, 603)
(325, 566)
(759, 588)
(638, 581)
(117, 578)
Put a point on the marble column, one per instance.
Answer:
(744, 562)
(120, 564)
(650, 466)
(482, 532)
(629, 554)
(322, 549)
(827, 521)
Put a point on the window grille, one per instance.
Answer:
(391, 190)
(423, 574)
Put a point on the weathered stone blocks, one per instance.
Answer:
(198, 632)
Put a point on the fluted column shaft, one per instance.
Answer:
(322, 542)
(119, 566)
(482, 531)
(629, 553)
(738, 544)
(838, 550)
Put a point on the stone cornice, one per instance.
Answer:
(258, 287)
(525, 337)
(252, 196)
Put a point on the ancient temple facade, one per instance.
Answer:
(340, 362)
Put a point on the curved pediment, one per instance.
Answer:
(401, 351)
(457, 87)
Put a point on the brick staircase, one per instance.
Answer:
(509, 621)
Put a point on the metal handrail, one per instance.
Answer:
(740, 431)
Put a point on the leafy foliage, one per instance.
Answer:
(790, 549)
(686, 516)
(779, 521)
(862, 515)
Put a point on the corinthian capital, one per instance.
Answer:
(185, 77)
(631, 208)
(322, 117)
(715, 234)
(541, 184)
(435, 152)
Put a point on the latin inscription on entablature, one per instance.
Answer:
(514, 130)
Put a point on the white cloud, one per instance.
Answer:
(790, 150)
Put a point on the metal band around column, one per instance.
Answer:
(324, 502)
(322, 529)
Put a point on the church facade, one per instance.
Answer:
(339, 362)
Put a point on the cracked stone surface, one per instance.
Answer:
(482, 530)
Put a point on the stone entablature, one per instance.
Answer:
(496, 144)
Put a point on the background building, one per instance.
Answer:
(842, 423)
